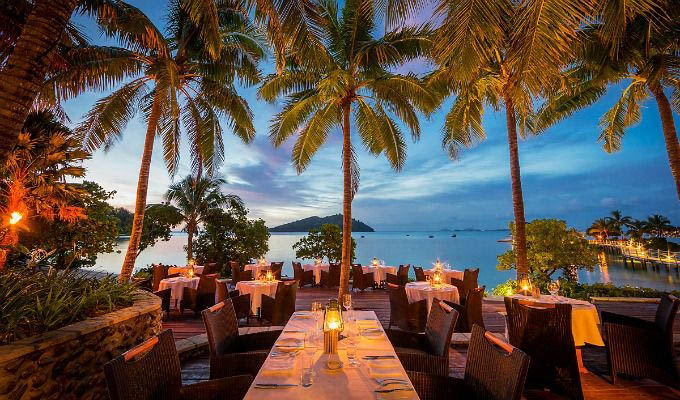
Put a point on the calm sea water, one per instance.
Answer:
(466, 250)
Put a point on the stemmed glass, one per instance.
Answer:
(307, 366)
(554, 288)
(352, 337)
(347, 303)
(317, 310)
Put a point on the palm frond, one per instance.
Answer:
(393, 142)
(369, 124)
(132, 28)
(395, 48)
(314, 134)
(294, 114)
(288, 82)
(354, 170)
(463, 124)
(203, 14)
(626, 112)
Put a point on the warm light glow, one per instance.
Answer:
(375, 261)
(269, 276)
(191, 262)
(525, 287)
(333, 325)
(15, 217)
(318, 261)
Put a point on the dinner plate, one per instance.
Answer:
(289, 344)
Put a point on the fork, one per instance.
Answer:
(393, 390)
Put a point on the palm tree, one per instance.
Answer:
(603, 228)
(350, 75)
(637, 229)
(658, 225)
(632, 42)
(501, 52)
(195, 200)
(179, 87)
(618, 220)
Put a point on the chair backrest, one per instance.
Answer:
(665, 313)
(470, 279)
(209, 268)
(207, 284)
(235, 272)
(544, 333)
(221, 292)
(148, 371)
(284, 302)
(393, 279)
(403, 270)
(494, 369)
(159, 273)
(473, 307)
(462, 293)
(420, 274)
(439, 327)
(221, 326)
(357, 275)
(298, 272)
(334, 273)
(276, 268)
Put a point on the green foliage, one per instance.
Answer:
(77, 244)
(552, 247)
(322, 243)
(507, 288)
(305, 224)
(228, 235)
(159, 219)
(125, 218)
(584, 291)
(33, 303)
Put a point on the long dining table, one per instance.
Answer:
(347, 383)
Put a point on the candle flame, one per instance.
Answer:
(15, 217)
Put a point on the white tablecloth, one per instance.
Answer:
(317, 268)
(585, 321)
(198, 269)
(448, 274)
(257, 269)
(346, 383)
(379, 272)
(256, 289)
(177, 285)
(416, 291)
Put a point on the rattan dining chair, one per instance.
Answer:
(402, 272)
(165, 299)
(420, 274)
(301, 276)
(544, 332)
(278, 310)
(276, 268)
(469, 314)
(200, 298)
(404, 315)
(361, 280)
(151, 371)
(331, 278)
(494, 370)
(159, 272)
(235, 272)
(643, 349)
(396, 279)
(241, 302)
(232, 353)
(429, 351)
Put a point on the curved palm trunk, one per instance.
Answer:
(669, 134)
(520, 239)
(142, 188)
(346, 204)
(24, 73)
(190, 240)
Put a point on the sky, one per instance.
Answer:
(565, 172)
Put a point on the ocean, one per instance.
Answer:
(469, 249)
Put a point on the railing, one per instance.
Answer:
(640, 253)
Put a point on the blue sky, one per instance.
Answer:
(565, 173)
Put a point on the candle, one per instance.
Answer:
(270, 276)
(375, 262)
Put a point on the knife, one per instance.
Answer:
(274, 385)
(377, 357)
(392, 390)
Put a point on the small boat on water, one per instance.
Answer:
(454, 235)
(431, 236)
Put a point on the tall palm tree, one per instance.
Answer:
(502, 53)
(179, 87)
(603, 228)
(632, 42)
(195, 199)
(658, 225)
(43, 26)
(619, 220)
(637, 229)
(350, 75)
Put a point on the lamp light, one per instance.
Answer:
(332, 326)
(375, 261)
(15, 217)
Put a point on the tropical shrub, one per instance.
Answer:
(552, 247)
(323, 243)
(34, 302)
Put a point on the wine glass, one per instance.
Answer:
(554, 288)
(317, 310)
(352, 333)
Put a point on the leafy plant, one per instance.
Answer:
(159, 220)
(323, 243)
(34, 302)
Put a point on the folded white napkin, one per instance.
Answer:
(277, 366)
(367, 323)
(383, 368)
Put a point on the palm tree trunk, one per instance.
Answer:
(520, 239)
(24, 72)
(190, 241)
(346, 204)
(669, 134)
(142, 187)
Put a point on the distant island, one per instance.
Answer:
(304, 225)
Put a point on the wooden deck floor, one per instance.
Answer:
(596, 384)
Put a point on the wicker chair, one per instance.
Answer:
(494, 370)
(458, 283)
(235, 272)
(404, 315)
(361, 280)
(420, 274)
(200, 298)
(641, 348)
(230, 353)
(301, 276)
(470, 314)
(209, 269)
(331, 278)
(278, 310)
(427, 352)
(395, 279)
(151, 371)
(241, 302)
(165, 299)
(403, 271)
(544, 333)
(159, 273)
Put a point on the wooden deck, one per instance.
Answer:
(596, 385)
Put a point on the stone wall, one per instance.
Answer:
(67, 363)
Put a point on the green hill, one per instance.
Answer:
(304, 225)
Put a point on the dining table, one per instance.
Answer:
(379, 271)
(416, 291)
(317, 268)
(257, 269)
(198, 269)
(256, 289)
(280, 375)
(448, 274)
(176, 285)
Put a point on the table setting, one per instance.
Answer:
(177, 285)
(258, 268)
(379, 270)
(317, 267)
(445, 270)
(266, 285)
(328, 353)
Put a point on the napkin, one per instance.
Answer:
(276, 366)
(289, 343)
(384, 368)
(367, 324)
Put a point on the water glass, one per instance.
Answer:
(307, 377)
(352, 349)
(554, 288)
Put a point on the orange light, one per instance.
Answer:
(15, 217)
